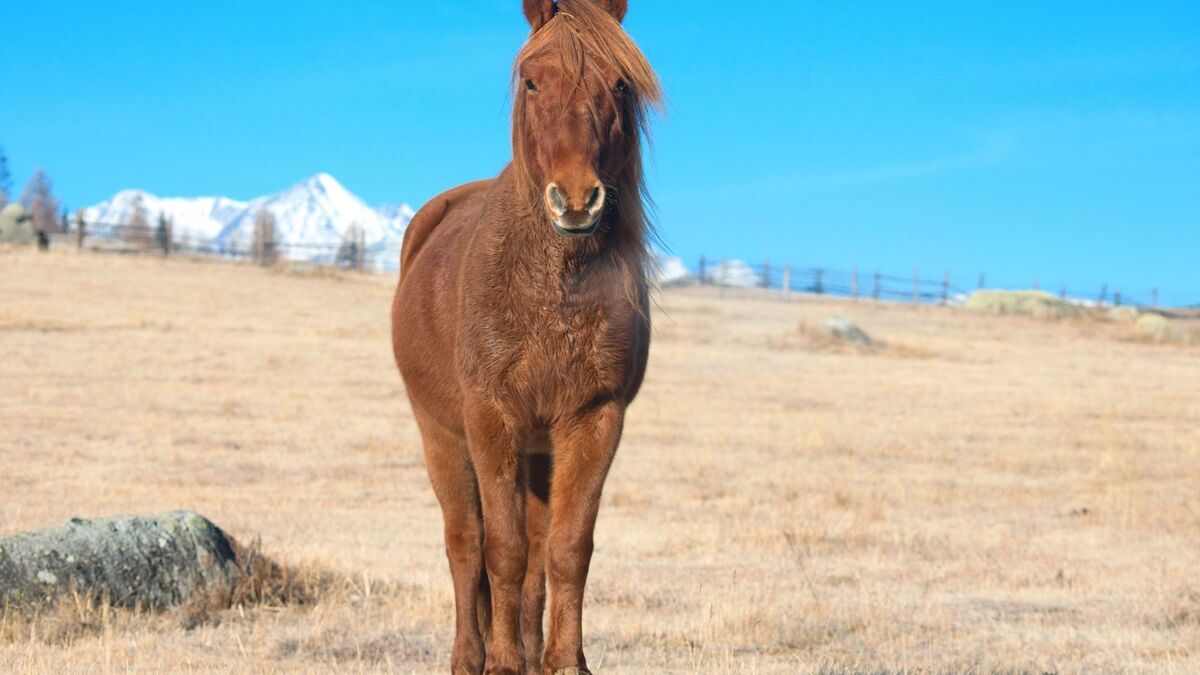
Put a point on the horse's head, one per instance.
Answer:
(583, 89)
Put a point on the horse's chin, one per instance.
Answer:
(568, 231)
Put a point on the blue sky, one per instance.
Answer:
(1022, 139)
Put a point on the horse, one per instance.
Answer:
(521, 329)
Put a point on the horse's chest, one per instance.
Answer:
(547, 353)
(572, 346)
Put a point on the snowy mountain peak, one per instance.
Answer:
(324, 184)
(312, 218)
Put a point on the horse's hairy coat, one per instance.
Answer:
(521, 347)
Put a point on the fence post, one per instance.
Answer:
(170, 243)
(1117, 298)
(854, 283)
(1103, 294)
(766, 280)
(80, 227)
(877, 290)
(786, 286)
(819, 281)
(916, 287)
(703, 277)
(946, 288)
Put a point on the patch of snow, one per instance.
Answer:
(735, 273)
(669, 270)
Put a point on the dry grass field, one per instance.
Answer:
(984, 494)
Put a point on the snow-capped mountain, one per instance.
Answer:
(198, 219)
(311, 219)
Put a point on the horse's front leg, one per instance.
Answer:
(584, 446)
(495, 453)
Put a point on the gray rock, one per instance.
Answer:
(16, 225)
(155, 562)
(846, 331)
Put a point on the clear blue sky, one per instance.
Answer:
(1052, 139)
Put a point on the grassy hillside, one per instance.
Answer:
(981, 492)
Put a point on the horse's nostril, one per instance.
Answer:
(556, 199)
(593, 198)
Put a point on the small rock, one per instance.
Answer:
(1039, 304)
(1124, 314)
(1158, 328)
(846, 331)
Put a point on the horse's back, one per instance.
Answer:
(425, 308)
(425, 222)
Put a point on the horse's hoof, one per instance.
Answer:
(571, 671)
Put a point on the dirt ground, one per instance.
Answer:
(986, 494)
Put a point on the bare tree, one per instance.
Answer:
(351, 252)
(163, 234)
(5, 179)
(265, 250)
(137, 230)
(38, 198)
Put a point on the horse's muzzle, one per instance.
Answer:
(575, 216)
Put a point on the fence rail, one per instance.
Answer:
(353, 253)
(856, 284)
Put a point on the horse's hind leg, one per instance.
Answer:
(453, 480)
(537, 522)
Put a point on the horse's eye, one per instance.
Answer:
(621, 87)
(530, 86)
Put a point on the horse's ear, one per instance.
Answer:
(615, 7)
(539, 12)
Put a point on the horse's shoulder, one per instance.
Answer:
(433, 212)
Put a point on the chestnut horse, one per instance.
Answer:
(521, 329)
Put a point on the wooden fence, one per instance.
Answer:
(856, 284)
(352, 253)
(786, 279)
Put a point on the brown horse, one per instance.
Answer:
(521, 329)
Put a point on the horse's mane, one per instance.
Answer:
(583, 35)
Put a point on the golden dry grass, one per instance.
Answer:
(987, 494)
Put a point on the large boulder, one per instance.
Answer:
(156, 562)
(1038, 304)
